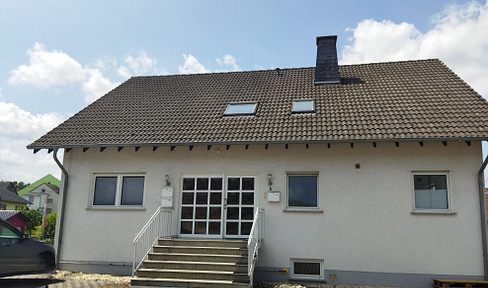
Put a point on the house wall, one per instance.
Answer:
(14, 206)
(365, 228)
(18, 222)
(39, 198)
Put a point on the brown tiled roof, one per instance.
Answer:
(396, 101)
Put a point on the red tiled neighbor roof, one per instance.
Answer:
(396, 101)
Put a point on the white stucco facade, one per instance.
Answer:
(365, 221)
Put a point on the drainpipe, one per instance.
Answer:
(61, 216)
(481, 183)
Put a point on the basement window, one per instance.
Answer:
(243, 108)
(307, 269)
(303, 106)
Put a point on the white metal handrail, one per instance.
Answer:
(255, 240)
(159, 225)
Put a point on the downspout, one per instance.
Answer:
(61, 216)
(481, 185)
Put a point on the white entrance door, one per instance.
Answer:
(217, 207)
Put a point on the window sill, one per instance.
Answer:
(118, 208)
(432, 212)
(302, 210)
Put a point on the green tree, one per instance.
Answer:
(20, 185)
(35, 219)
(50, 229)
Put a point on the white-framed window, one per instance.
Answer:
(303, 106)
(241, 108)
(117, 190)
(302, 191)
(307, 269)
(431, 192)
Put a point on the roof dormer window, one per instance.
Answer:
(303, 106)
(242, 108)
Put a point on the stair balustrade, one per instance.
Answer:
(255, 241)
(159, 225)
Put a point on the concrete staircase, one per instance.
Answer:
(195, 263)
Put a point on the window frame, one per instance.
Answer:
(450, 207)
(293, 275)
(253, 112)
(294, 109)
(118, 191)
(302, 208)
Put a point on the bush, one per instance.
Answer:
(35, 219)
(50, 229)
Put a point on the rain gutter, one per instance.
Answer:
(63, 203)
(481, 185)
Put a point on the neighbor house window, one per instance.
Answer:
(431, 191)
(303, 106)
(306, 269)
(303, 191)
(118, 190)
(245, 108)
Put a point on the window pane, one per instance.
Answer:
(246, 228)
(187, 198)
(202, 197)
(201, 213)
(186, 212)
(233, 199)
(186, 227)
(306, 268)
(232, 213)
(215, 213)
(214, 228)
(132, 190)
(105, 188)
(303, 106)
(232, 228)
(216, 184)
(202, 184)
(247, 183)
(302, 191)
(431, 192)
(200, 227)
(241, 108)
(247, 198)
(215, 198)
(247, 213)
(233, 184)
(188, 184)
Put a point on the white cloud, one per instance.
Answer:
(20, 128)
(17, 123)
(228, 60)
(56, 68)
(192, 66)
(7, 156)
(457, 38)
(140, 65)
(96, 85)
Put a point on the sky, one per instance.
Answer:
(56, 57)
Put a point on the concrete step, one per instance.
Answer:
(200, 250)
(185, 257)
(202, 242)
(208, 266)
(193, 274)
(188, 283)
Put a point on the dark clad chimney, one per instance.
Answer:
(327, 66)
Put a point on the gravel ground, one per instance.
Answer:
(92, 280)
(310, 285)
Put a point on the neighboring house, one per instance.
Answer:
(11, 200)
(45, 194)
(48, 179)
(366, 173)
(16, 218)
(8, 185)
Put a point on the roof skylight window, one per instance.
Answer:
(247, 108)
(303, 106)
